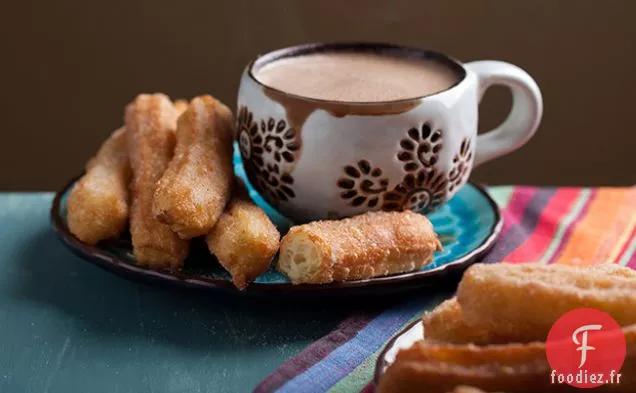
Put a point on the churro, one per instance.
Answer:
(150, 123)
(98, 204)
(494, 297)
(439, 368)
(194, 190)
(446, 324)
(244, 240)
(368, 245)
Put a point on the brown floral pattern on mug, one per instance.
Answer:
(276, 184)
(462, 162)
(280, 140)
(249, 139)
(362, 184)
(267, 147)
(421, 192)
(420, 148)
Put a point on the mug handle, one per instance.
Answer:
(524, 117)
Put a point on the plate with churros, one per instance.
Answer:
(166, 199)
(492, 336)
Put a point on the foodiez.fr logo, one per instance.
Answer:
(585, 349)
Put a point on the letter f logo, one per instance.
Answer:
(583, 344)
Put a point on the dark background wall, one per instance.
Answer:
(68, 68)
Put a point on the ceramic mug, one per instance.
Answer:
(316, 159)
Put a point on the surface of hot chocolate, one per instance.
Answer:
(357, 76)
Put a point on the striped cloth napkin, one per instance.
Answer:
(577, 226)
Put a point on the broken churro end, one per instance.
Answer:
(299, 259)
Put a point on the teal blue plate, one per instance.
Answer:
(467, 225)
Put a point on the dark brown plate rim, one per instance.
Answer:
(114, 264)
(379, 363)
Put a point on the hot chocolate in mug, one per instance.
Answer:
(335, 130)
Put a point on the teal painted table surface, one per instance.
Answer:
(68, 326)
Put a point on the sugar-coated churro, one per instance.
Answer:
(446, 324)
(150, 123)
(494, 297)
(244, 240)
(194, 190)
(368, 245)
(98, 204)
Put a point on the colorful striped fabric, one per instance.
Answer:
(577, 226)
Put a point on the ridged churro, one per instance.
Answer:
(150, 123)
(194, 190)
(98, 204)
(244, 240)
(368, 245)
(494, 297)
